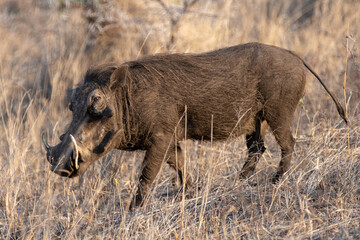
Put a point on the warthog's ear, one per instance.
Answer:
(118, 77)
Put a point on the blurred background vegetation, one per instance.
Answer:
(46, 47)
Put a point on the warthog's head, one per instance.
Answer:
(96, 127)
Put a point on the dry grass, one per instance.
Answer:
(45, 48)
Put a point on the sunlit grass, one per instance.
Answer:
(319, 197)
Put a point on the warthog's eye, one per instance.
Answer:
(70, 107)
(97, 98)
(97, 107)
(97, 103)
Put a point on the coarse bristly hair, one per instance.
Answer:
(222, 94)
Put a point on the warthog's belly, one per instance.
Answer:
(221, 127)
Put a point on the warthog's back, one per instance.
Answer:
(231, 85)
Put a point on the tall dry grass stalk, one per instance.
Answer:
(185, 174)
(344, 85)
(45, 49)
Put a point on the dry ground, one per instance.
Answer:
(47, 45)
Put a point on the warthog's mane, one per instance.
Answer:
(100, 74)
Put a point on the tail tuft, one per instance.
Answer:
(341, 112)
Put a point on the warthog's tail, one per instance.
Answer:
(339, 108)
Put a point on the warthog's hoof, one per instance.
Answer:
(242, 176)
(245, 174)
(136, 202)
(276, 178)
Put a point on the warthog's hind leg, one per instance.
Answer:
(256, 148)
(286, 142)
(282, 132)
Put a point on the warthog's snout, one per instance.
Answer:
(63, 158)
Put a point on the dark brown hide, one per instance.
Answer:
(139, 104)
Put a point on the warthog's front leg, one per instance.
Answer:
(151, 166)
(177, 163)
(161, 149)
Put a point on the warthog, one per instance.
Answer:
(141, 105)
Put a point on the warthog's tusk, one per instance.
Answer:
(47, 146)
(76, 152)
